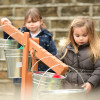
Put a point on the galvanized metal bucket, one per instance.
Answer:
(63, 94)
(47, 88)
(14, 62)
(41, 91)
(47, 82)
(6, 44)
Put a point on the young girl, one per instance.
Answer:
(33, 23)
(82, 52)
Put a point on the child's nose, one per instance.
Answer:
(81, 37)
(32, 23)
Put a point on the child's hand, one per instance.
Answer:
(87, 86)
(5, 20)
(31, 52)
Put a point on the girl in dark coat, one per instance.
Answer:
(82, 52)
(33, 23)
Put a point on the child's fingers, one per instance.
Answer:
(87, 87)
(5, 20)
(31, 52)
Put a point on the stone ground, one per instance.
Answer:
(6, 89)
(9, 91)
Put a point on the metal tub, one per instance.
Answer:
(62, 94)
(14, 62)
(47, 88)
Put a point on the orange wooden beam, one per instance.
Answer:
(26, 84)
(40, 52)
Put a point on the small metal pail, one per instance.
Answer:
(63, 94)
(6, 44)
(47, 82)
(14, 62)
(48, 90)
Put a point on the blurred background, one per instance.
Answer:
(57, 15)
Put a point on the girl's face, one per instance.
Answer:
(34, 27)
(80, 35)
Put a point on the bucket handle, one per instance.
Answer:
(57, 65)
(43, 74)
(47, 71)
(64, 77)
(51, 68)
(11, 35)
(77, 73)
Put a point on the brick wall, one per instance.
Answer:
(57, 14)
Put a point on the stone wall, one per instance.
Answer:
(57, 14)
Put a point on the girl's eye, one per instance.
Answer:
(85, 35)
(77, 35)
(29, 22)
(34, 21)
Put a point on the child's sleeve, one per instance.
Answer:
(51, 47)
(5, 35)
(95, 76)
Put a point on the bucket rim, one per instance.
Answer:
(64, 91)
(49, 73)
(15, 49)
(7, 40)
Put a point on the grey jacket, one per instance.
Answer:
(83, 63)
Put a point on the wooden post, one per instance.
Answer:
(26, 85)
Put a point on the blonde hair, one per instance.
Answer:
(35, 15)
(94, 40)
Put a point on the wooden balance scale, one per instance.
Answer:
(28, 45)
